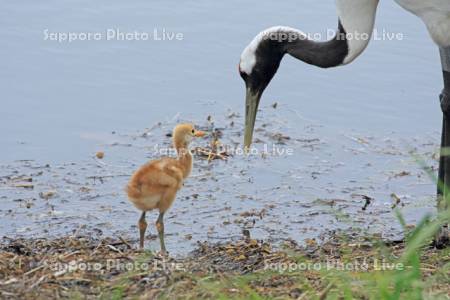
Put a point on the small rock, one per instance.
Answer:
(295, 293)
(84, 189)
(100, 155)
(47, 195)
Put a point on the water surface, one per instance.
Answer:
(61, 102)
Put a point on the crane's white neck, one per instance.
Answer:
(248, 56)
(358, 19)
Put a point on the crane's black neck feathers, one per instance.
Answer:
(270, 52)
(327, 54)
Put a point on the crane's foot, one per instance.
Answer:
(142, 224)
(163, 254)
(442, 239)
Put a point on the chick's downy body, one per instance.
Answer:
(155, 184)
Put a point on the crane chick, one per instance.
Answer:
(155, 184)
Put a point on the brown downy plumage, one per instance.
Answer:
(155, 184)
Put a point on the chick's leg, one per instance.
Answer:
(142, 224)
(160, 228)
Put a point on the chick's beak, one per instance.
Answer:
(199, 133)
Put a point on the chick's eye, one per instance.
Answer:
(193, 131)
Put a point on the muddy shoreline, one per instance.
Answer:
(295, 185)
(238, 225)
(92, 268)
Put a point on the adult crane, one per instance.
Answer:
(262, 57)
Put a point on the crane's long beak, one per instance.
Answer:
(251, 109)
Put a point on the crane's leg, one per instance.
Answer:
(160, 228)
(442, 238)
(142, 224)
